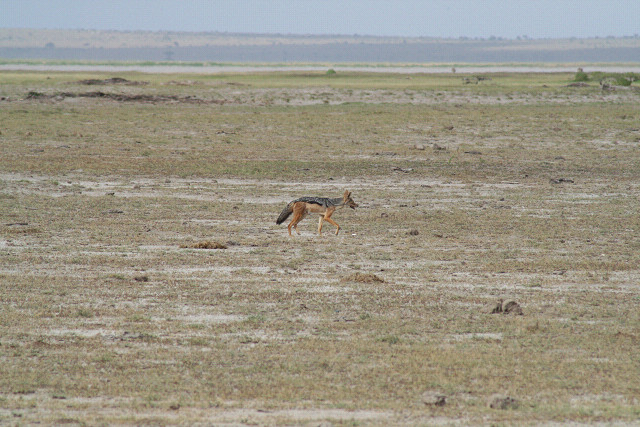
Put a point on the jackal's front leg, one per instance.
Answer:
(320, 224)
(334, 223)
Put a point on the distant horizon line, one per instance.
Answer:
(522, 37)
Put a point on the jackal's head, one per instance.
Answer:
(348, 201)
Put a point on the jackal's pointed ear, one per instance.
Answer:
(347, 194)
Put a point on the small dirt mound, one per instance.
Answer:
(363, 278)
(205, 245)
(509, 307)
(112, 81)
(432, 398)
(36, 95)
(512, 307)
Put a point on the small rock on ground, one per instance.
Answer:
(434, 398)
(502, 402)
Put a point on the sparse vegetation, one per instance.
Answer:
(111, 313)
(205, 245)
(616, 79)
(581, 76)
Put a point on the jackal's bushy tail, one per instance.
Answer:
(285, 214)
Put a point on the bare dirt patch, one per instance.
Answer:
(120, 97)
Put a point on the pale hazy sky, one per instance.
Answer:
(432, 18)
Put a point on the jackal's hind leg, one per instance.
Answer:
(294, 224)
(299, 213)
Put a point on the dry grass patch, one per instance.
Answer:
(107, 301)
(206, 244)
(363, 278)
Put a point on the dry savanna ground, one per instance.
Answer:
(143, 279)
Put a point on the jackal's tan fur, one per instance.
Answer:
(323, 206)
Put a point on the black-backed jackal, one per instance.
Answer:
(323, 206)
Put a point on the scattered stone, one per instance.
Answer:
(474, 79)
(419, 147)
(503, 402)
(437, 147)
(413, 232)
(434, 398)
(495, 308)
(141, 278)
(398, 169)
(561, 181)
(510, 307)
(347, 317)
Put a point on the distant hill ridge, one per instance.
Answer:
(93, 45)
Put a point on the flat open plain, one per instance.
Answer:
(143, 279)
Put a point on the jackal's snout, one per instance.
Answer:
(348, 200)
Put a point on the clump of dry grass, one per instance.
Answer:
(503, 402)
(205, 244)
(363, 278)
